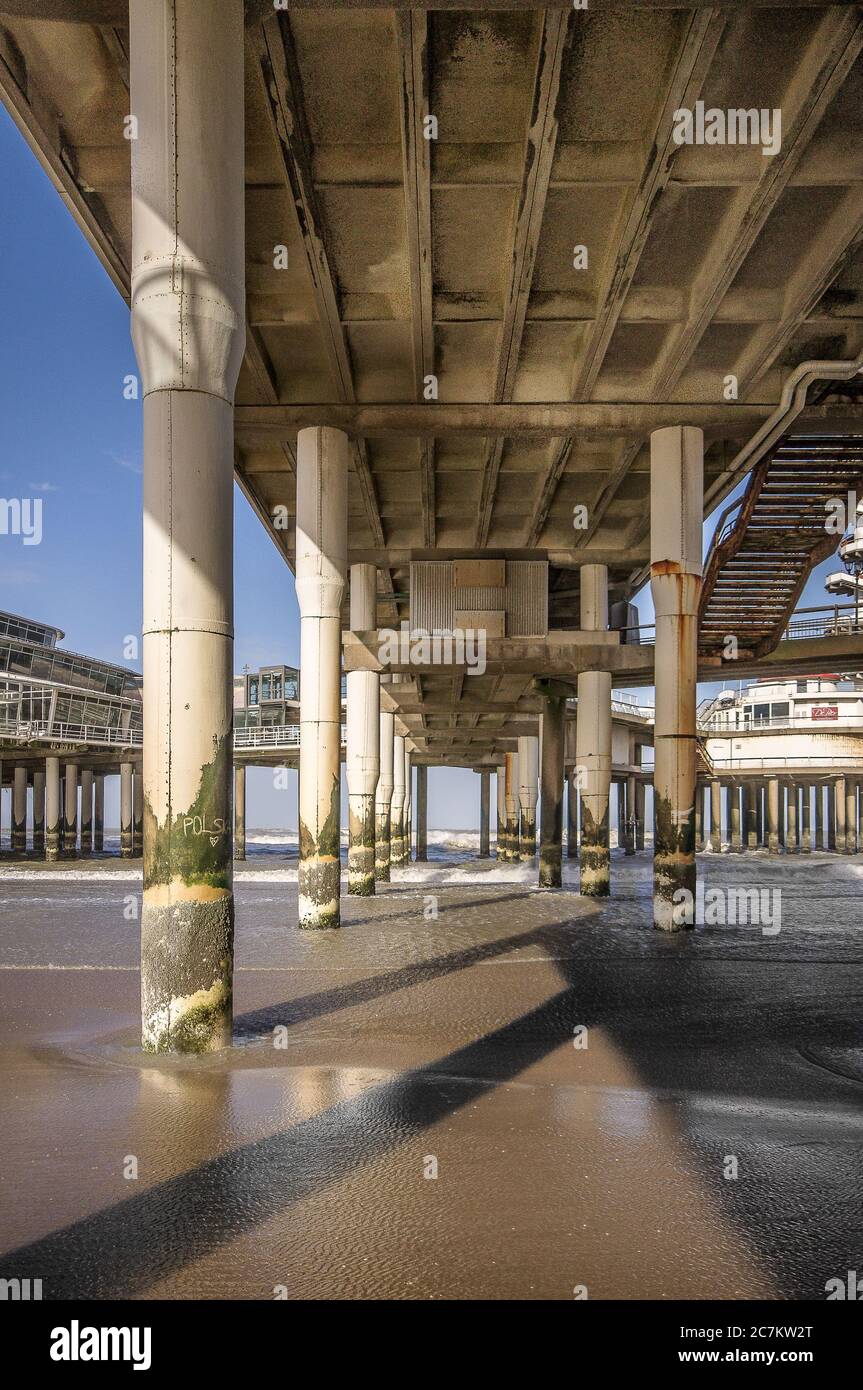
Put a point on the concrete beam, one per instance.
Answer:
(432, 419)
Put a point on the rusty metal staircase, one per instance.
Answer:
(768, 541)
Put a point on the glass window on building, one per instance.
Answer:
(253, 691)
(760, 713)
(780, 709)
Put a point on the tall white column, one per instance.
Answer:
(86, 811)
(188, 327)
(676, 516)
(397, 805)
(422, 813)
(363, 750)
(19, 810)
(551, 827)
(500, 836)
(528, 786)
(52, 809)
(383, 799)
(593, 743)
(239, 812)
(512, 806)
(408, 815)
(321, 565)
(484, 811)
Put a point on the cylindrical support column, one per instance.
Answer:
(86, 811)
(528, 775)
(631, 819)
(841, 828)
(126, 780)
(52, 809)
(551, 805)
(593, 742)
(699, 814)
(735, 842)
(819, 815)
(39, 812)
(363, 766)
(640, 798)
(512, 807)
(484, 813)
(383, 798)
(805, 820)
(19, 810)
(676, 514)
(791, 841)
(773, 815)
(850, 816)
(750, 792)
(322, 482)
(70, 816)
(500, 835)
(593, 758)
(188, 328)
(407, 819)
(138, 813)
(759, 813)
(831, 815)
(572, 814)
(858, 826)
(397, 806)
(98, 812)
(239, 812)
(715, 815)
(422, 852)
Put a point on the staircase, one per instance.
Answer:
(769, 540)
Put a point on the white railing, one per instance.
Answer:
(32, 730)
(272, 736)
(622, 704)
(844, 722)
(839, 765)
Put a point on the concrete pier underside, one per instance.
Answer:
(410, 1038)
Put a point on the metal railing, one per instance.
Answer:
(811, 760)
(31, 730)
(272, 736)
(623, 704)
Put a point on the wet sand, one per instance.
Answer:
(416, 1045)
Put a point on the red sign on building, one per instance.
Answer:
(825, 711)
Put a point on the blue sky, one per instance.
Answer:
(71, 439)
